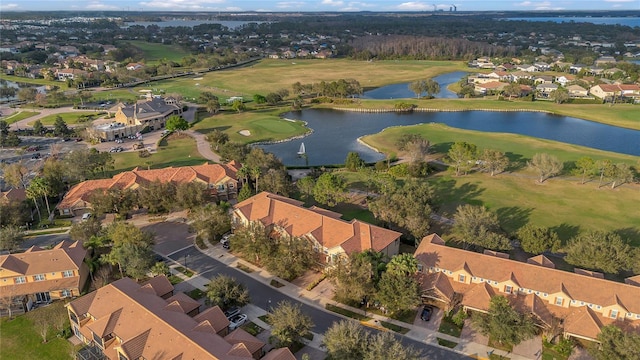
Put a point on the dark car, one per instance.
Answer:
(232, 311)
(426, 313)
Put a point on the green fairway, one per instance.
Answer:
(154, 52)
(115, 96)
(263, 125)
(25, 80)
(71, 118)
(177, 150)
(20, 115)
(21, 341)
(518, 147)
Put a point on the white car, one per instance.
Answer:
(86, 216)
(237, 321)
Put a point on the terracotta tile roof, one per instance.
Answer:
(209, 173)
(583, 322)
(479, 296)
(543, 279)
(184, 302)
(147, 329)
(541, 260)
(437, 282)
(594, 274)
(13, 194)
(64, 256)
(492, 85)
(160, 285)
(634, 280)
(239, 336)
(33, 287)
(213, 316)
(329, 231)
(279, 354)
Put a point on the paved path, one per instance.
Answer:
(204, 148)
(24, 123)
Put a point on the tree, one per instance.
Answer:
(213, 106)
(560, 95)
(330, 189)
(346, 340)
(431, 87)
(276, 181)
(288, 324)
(273, 98)
(7, 92)
(512, 90)
(225, 291)
(160, 268)
(475, 225)
(210, 221)
(16, 175)
(245, 193)
(191, 195)
(84, 230)
(601, 251)
(60, 127)
(385, 345)
(27, 94)
(546, 166)
(403, 264)
(616, 344)
(398, 292)
(131, 249)
(353, 161)
(503, 323)
(292, 257)
(255, 173)
(605, 168)
(238, 105)
(157, 197)
(33, 193)
(218, 138)
(536, 240)
(10, 238)
(306, 186)
(176, 123)
(40, 188)
(417, 87)
(462, 156)
(38, 128)
(586, 168)
(259, 99)
(352, 280)
(620, 173)
(493, 161)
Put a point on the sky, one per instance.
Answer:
(315, 5)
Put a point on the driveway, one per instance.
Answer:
(170, 236)
(434, 323)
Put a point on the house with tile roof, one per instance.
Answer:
(219, 179)
(13, 195)
(584, 302)
(610, 91)
(331, 237)
(40, 276)
(490, 87)
(125, 320)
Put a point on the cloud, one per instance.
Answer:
(333, 2)
(415, 6)
(290, 4)
(525, 3)
(12, 6)
(619, 1)
(356, 6)
(186, 5)
(96, 5)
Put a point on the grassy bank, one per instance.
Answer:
(19, 115)
(154, 52)
(71, 118)
(174, 152)
(24, 80)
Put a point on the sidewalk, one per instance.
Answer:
(318, 299)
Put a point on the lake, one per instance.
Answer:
(231, 24)
(401, 91)
(7, 83)
(336, 132)
(626, 21)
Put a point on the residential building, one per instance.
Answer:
(577, 91)
(609, 91)
(64, 74)
(221, 180)
(13, 195)
(545, 89)
(151, 114)
(490, 87)
(584, 302)
(40, 276)
(134, 66)
(331, 237)
(125, 320)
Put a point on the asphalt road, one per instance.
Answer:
(43, 240)
(265, 297)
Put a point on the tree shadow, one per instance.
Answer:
(630, 235)
(442, 148)
(211, 129)
(513, 217)
(566, 232)
(516, 162)
(449, 196)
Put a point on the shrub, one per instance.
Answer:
(144, 153)
(459, 317)
(400, 170)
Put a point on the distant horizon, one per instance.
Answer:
(285, 6)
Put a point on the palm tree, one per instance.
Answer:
(93, 263)
(255, 174)
(243, 173)
(33, 195)
(41, 188)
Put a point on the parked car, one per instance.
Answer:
(237, 321)
(426, 313)
(232, 311)
(86, 216)
(35, 156)
(225, 240)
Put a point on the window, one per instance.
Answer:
(20, 280)
(598, 307)
(65, 293)
(614, 314)
(508, 289)
(474, 278)
(73, 317)
(581, 302)
(420, 267)
(559, 301)
(573, 301)
(221, 187)
(230, 186)
(545, 294)
(495, 283)
(38, 277)
(461, 278)
(629, 314)
(67, 273)
(97, 339)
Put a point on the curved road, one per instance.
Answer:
(264, 296)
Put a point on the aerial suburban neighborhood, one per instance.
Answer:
(287, 180)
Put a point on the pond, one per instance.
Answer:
(18, 86)
(401, 91)
(336, 132)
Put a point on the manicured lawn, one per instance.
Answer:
(244, 268)
(497, 345)
(177, 152)
(548, 354)
(394, 327)
(115, 96)
(196, 294)
(449, 327)
(447, 343)
(20, 341)
(264, 125)
(347, 313)
(71, 118)
(252, 328)
(19, 115)
(154, 52)
(19, 79)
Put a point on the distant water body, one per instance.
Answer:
(191, 23)
(626, 21)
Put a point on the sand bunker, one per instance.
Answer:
(198, 78)
(245, 132)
